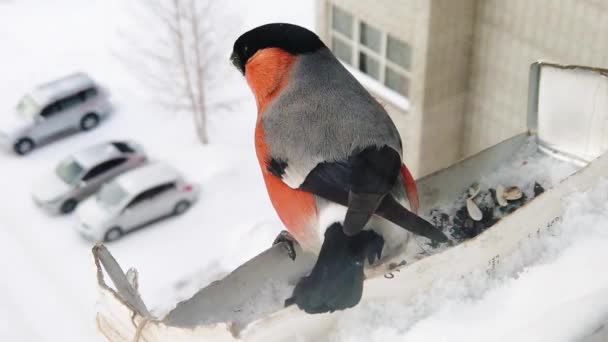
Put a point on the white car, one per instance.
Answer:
(82, 173)
(73, 103)
(133, 200)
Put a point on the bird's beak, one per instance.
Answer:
(236, 61)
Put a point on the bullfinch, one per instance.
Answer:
(331, 159)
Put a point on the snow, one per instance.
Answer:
(47, 287)
(552, 289)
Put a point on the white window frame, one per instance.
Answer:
(357, 47)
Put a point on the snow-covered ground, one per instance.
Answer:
(552, 289)
(47, 290)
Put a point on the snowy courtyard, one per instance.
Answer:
(553, 289)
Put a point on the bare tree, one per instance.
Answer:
(176, 58)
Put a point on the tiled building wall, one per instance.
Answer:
(450, 32)
(440, 35)
(509, 36)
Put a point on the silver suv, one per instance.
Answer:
(82, 173)
(52, 110)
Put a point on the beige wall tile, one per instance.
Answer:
(508, 37)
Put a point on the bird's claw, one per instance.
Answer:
(288, 243)
(374, 249)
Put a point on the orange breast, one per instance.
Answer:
(267, 73)
(297, 209)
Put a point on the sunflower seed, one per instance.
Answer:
(473, 210)
(513, 193)
(500, 196)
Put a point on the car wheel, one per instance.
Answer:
(68, 206)
(181, 207)
(89, 121)
(113, 234)
(24, 146)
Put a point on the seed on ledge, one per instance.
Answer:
(513, 193)
(473, 210)
(474, 190)
(500, 196)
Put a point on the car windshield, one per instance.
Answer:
(27, 107)
(69, 171)
(111, 195)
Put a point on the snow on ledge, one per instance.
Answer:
(379, 89)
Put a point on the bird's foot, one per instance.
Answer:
(373, 245)
(288, 243)
(336, 281)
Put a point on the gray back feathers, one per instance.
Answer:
(322, 115)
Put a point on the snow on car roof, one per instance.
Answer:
(147, 176)
(48, 92)
(96, 154)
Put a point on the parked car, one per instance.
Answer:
(83, 173)
(52, 110)
(132, 200)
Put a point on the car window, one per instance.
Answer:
(87, 94)
(69, 171)
(111, 195)
(103, 168)
(151, 193)
(70, 102)
(27, 107)
(144, 196)
(123, 147)
(163, 188)
(50, 110)
(138, 199)
(160, 189)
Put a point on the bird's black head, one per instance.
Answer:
(291, 38)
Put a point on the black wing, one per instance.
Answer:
(362, 183)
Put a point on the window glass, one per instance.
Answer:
(27, 107)
(103, 168)
(378, 54)
(342, 50)
(151, 193)
(123, 147)
(398, 52)
(87, 94)
(90, 93)
(69, 171)
(111, 195)
(342, 21)
(161, 189)
(369, 65)
(115, 163)
(70, 102)
(370, 37)
(50, 110)
(396, 82)
(139, 199)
